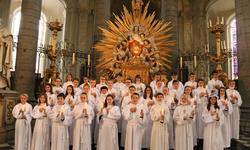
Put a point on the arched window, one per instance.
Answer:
(41, 38)
(233, 47)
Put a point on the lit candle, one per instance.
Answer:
(210, 23)
(88, 59)
(195, 61)
(225, 46)
(73, 58)
(180, 62)
(222, 20)
(49, 80)
(23, 108)
(221, 43)
(162, 111)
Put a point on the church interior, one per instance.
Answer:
(43, 41)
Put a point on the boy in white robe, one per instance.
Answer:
(176, 90)
(41, 133)
(191, 82)
(134, 114)
(108, 132)
(83, 115)
(214, 84)
(61, 120)
(158, 88)
(160, 115)
(157, 77)
(201, 97)
(235, 98)
(22, 112)
(57, 89)
(184, 116)
(174, 76)
(140, 87)
(68, 82)
(213, 119)
(103, 82)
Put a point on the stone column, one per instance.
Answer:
(242, 8)
(169, 12)
(4, 12)
(27, 46)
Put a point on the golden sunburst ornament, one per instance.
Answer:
(135, 37)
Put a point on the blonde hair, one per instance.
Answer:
(24, 94)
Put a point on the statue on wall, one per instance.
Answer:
(6, 47)
(135, 40)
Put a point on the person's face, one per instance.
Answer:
(23, 99)
(159, 98)
(137, 80)
(176, 85)
(184, 99)
(231, 84)
(92, 83)
(157, 77)
(132, 90)
(213, 100)
(192, 77)
(134, 99)
(75, 83)
(110, 100)
(215, 75)
(159, 84)
(102, 79)
(42, 99)
(69, 77)
(119, 78)
(128, 82)
(201, 83)
(222, 92)
(69, 90)
(148, 90)
(47, 88)
(104, 91)
(165, 90)
(110, 83)
(174, 77)
(58, 82)
(85, 80)
(60, 100)
(83, 98)
(187, 90)
(86, 89)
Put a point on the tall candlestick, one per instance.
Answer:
(210, 23)
(73, 58)
(180, 62)
(195, 61)
(88, 59)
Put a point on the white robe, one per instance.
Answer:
(235, 116)
(22, 127)
(60, 133)
(213, 139)
(169, 101)
(82, 127)
(108, 131)
(148, 124)
(201, 104)
(192, 84)
(140, 87)
(57, 90)
(51, 97)
(66, 84)
(211, 86)
(160, 136)
(184, 128)
(170, 85)
(135, 125)
(41, 131)
(226, 127)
